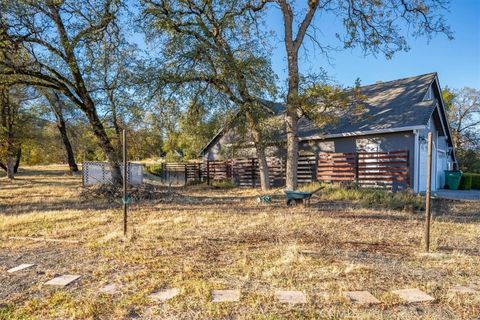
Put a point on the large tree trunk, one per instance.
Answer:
(291, 121)
(57, 109)
(17, 161)
(292, 45)
(260, 150)
(263, 169)
(11, 167)
(86, 104)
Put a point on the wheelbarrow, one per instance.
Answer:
(296, 197)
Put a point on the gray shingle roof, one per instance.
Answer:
(387, 105)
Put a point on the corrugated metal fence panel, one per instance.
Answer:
(96, 172)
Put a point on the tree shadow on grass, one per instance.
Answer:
(24, 208)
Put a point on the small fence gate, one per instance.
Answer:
(180, 174)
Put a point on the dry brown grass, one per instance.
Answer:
(206, 239)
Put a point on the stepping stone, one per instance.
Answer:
(225, 295)
(462, 289)
(413, 295)
(361, 297)
(109, 289)
(62, 281)
(20, 267)
(292, 297)
(164, 294)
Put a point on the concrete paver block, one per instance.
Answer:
(23, 266)
(361, 297)
(62, 281)
(225, 295)
(292, 297)
(413, 295)
(164, 294)
(109, 289)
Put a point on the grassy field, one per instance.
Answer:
(199, 239)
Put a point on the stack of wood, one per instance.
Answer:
(135, 193)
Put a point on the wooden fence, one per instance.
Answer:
(181, 173)
(365, 168)
(245, 171)
(383, 169)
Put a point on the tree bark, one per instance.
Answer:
(291, 121)
(115, 124)
(11, 167)
(17, 162)
(57, 109)
(260, 150)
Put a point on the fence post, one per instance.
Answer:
(232, 179)
(163, 168)
(186, 174)
(125, 181)
(208, 172)
(356, 168)
(427, 193)
(199, 172)
(408, 170)
(253, 172)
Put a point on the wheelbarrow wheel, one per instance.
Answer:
(291, 202)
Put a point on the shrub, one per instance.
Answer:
(223, 184)
(369, 196)
(154, 168)
(475, 180)
(466, 181)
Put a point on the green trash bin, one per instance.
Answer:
(452, 179)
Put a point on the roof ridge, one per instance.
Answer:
(394, 80)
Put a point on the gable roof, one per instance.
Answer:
(387, 106)
(390, 106)
(276, 109)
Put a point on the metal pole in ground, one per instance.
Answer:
(125, 178)
(427, 194)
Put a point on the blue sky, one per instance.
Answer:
(456, 61)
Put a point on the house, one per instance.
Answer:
(396, 115)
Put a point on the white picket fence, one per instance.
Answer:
(95, 172)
